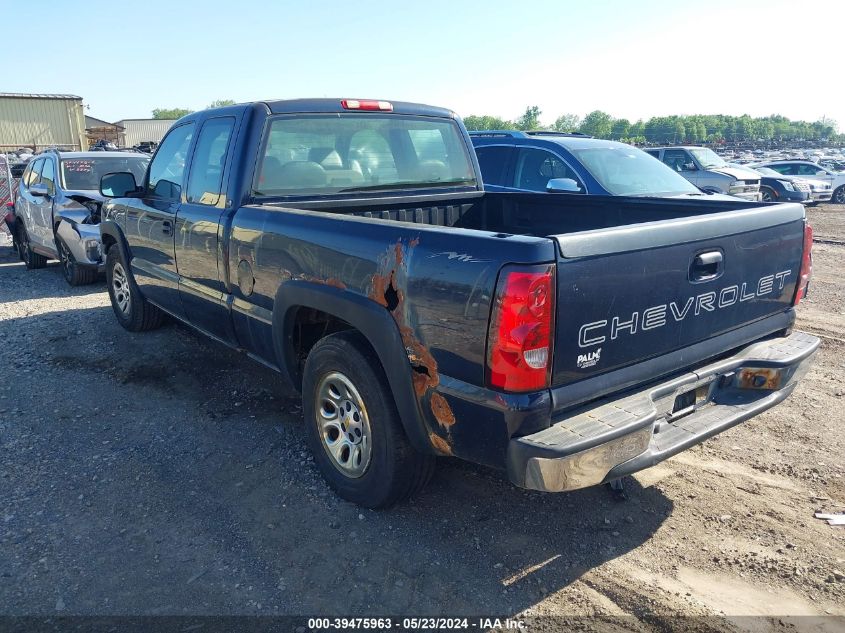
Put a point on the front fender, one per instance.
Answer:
(112, 235)
(375, 324)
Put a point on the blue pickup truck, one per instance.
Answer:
(350, 246)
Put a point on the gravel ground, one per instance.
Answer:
(161, 473)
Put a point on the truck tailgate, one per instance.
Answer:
(631, 293)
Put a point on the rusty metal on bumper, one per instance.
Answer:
(613, 438)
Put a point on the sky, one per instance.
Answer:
(632, 59)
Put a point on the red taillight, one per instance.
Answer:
(366, 104)
(806, 271)
(519, 344)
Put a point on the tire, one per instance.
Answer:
(132, 310)
(29, 257)
(767, 195)
(839, 196)
(381, 467)
(73, 273)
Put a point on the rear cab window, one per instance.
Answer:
(307, 155)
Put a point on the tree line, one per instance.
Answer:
(178, 113)
(699, 128)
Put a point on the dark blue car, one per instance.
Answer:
(776, 187)
(574, 163)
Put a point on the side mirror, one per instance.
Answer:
(118, 184)
(562, 185)
(39, 190)
(689, 167)
(821, 172)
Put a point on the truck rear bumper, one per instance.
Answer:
(613, 438)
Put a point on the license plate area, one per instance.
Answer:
(688, 401)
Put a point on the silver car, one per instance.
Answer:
(57, 209)
(709, 172)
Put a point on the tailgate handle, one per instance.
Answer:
(706, 266)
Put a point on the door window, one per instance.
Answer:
(807, 170)
(787, 169)
(653, 152)
(48, 176)
(494, 163)
(167, 171)
(677, 159)
(535, 167)
(34, 172)
(204, 183)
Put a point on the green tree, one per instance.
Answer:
(598, 124)
(621, 128)
(486, 122)
(170, 113)
(219, 103)
(530, 119)
(566, 123)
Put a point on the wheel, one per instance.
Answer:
(132, 310)
(353, 427)
(73, 273)
(28, 256)
(839, 195)
(767, 195)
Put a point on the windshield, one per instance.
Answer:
(83, 174)
(627, 171)
(325, 154)
(707, 158)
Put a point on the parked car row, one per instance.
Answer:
(351, 246)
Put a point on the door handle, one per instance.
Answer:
(167, 227)
(706, 266)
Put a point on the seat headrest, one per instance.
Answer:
(325, 156)
(299, 173)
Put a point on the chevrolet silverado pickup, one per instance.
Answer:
(350, 246)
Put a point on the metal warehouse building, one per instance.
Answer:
(138, 130)
(40, 121)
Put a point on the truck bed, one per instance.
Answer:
(534, 214)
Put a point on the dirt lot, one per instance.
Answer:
(163, 474)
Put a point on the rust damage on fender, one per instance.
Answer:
(442, 411)
(386, 290)
(440, 444)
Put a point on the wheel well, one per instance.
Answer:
(108, 242)
(309, 326)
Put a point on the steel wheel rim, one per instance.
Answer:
(120, 286)
(343, 425)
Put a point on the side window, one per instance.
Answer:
(204, 183)
(494, 163)
(807, 170)
(535, 167)
(782, 169)
(653, 152)
(677, 159)
(27, 174)
(35, 172)
(167, 171)
(48, 176)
